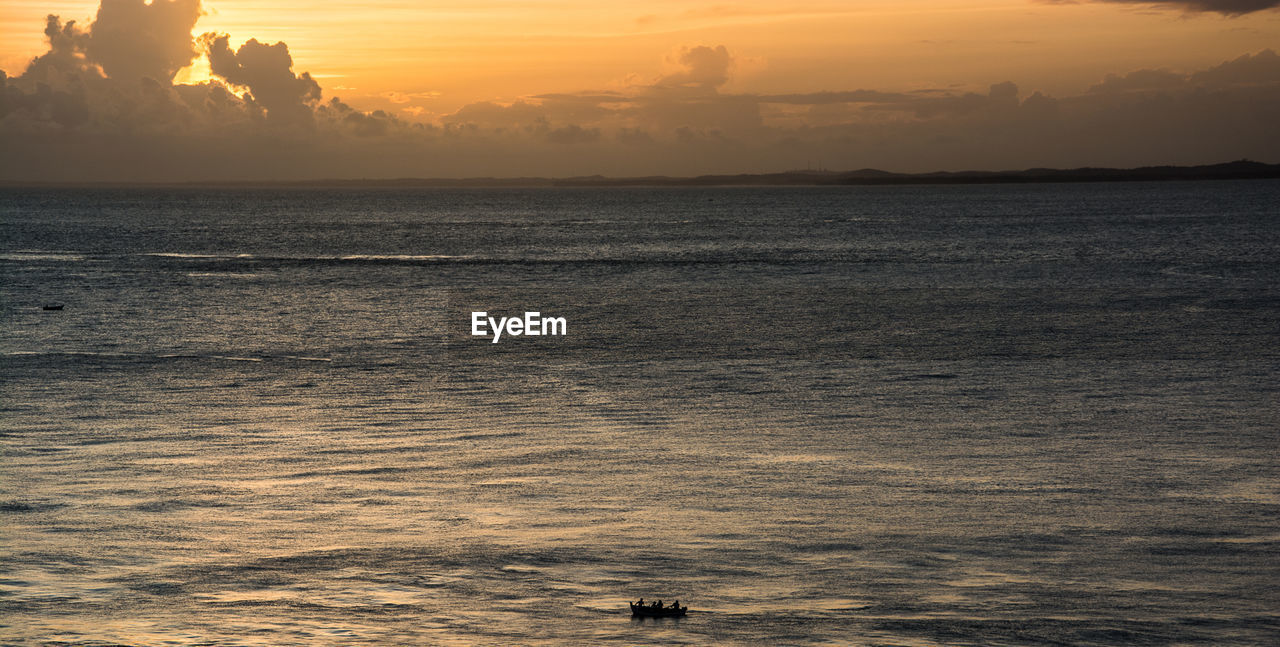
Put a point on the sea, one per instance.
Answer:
(1041, 414)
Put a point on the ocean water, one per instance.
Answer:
(977, 415)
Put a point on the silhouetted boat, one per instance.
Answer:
(646, 611)
(52, 306)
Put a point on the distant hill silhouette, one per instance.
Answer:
(1238, 170)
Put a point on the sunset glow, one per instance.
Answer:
(442, 64)
(667, 323)
(442, 56)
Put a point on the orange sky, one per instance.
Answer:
(425, 59)
(569, 87)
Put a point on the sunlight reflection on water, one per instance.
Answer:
(880, 428)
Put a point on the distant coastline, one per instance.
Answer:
(1238, 170)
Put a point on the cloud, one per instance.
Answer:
(520, 115)
(573, 134)
(406, 97)
(267, 70)
(1141, 117)
(686, 98)
(66, 55)
(100, 106)
(131, 39)
(1262, 68)
(127, 41)
(1140, 80)
(1001, 96)
(701, 67)
(1225, 7)
(829, 97)
(62, 107)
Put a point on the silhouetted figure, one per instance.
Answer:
(656, 609)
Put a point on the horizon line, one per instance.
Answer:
(1234, 170)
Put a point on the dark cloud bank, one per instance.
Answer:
(101, 105)
(1226, 7)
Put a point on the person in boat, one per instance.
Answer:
(675, 605)
(640, 603)
(657, 605)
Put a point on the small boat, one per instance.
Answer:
(647, 611)
(51, 306)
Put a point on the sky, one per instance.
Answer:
(178, 90)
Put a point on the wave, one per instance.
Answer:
(243, 264)
(404, 257)
(224, 275)
(53, 354)
(195, 256)
(324, 258)
(22, 255)
(662, 257)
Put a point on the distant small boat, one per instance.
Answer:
(51, 306)
(646, 611)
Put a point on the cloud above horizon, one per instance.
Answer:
(101, 105)
(1225, 7)
(267, 71)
